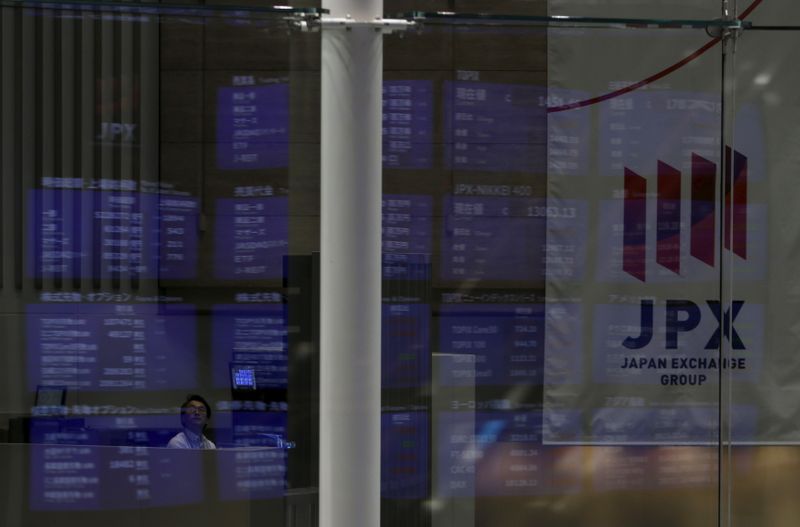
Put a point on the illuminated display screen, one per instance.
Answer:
(491, 344)
(501, 454)
(93, 234)
(250, 336)
(404, 455)
(98, 346)
(243, 378)
(481, 238)
(52, 396)
(495, 127)
(407, 124)
(252, 238)
(406, 241)
(107, 462)
(134, 430)
(405, 337)
(70, 471)
(255, 468)
(64, 470)
(252, 125)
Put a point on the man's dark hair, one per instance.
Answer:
(199, 399)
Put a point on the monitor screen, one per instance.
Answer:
(252, 237)
(90, 345)
(243, 377)
(103, 234)
(252, 124)
(51, 395)
(253, 336)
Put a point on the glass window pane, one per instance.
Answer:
(558, 188)
(159, 218)
(762, 240)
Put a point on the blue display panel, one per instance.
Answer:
(405, 361)
(481, 238)
(148, 430)
(501, 454)
(484, 226)
(70, 471)
(407, 233)
(495, 127)
(110, 346)
(107, 462)
(243, 377)
(251, 238)
(408, 124)
(491, 344)
(64, 469)
(253, 335)
(252, 463)
(94, 234)
(252, 124)
(404, 455)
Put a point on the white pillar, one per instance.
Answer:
(350, 283)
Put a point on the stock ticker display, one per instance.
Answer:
(408, 124)
(71, 468)
(116, 462)
(89, 346)
(252, 237)
(252, 335)
(96, 233)
(252, 124)
(495, 127)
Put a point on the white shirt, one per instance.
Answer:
(188, 439)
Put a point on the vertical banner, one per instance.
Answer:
(665, 218)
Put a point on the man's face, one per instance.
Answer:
(195, 415)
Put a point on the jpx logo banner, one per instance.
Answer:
(703, 223)
(682, 316)
(672, 341)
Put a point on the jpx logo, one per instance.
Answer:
(683, 316)
(703, 214)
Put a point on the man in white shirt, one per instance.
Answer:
(195, 414)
